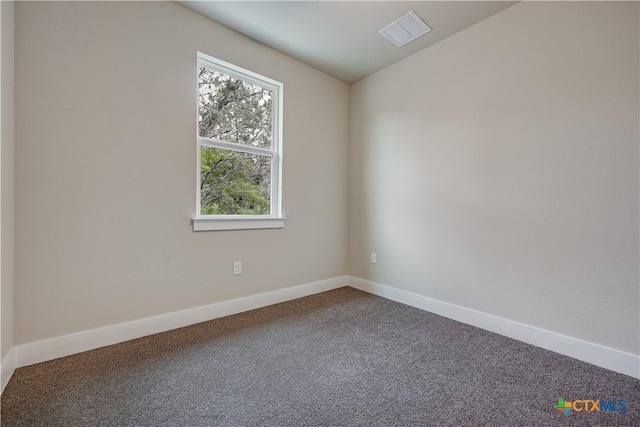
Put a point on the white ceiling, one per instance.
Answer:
(341, 38)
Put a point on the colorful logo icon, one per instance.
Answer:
(563, 406)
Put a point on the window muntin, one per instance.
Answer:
(239, 143)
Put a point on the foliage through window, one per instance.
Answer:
(238, 141)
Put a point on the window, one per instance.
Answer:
(239, 146)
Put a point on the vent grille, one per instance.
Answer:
(405, 29)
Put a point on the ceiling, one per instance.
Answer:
(341, 38)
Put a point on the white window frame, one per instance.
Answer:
(243, 222)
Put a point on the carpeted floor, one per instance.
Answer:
(341, 358)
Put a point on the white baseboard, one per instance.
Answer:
(7, 366)
(49, 349)
(53, 348)
(605, 357)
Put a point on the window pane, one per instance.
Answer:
(234, 183)
(233, 110)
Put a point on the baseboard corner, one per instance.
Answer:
(7, 367)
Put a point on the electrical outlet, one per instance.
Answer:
(373, 258)
(237, 268)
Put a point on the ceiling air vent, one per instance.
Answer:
(405, 29)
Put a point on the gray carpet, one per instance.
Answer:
(341, 358)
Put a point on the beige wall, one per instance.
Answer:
(6, 177)
(105, 161)
(498, 170)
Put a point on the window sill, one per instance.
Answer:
(246, 223)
